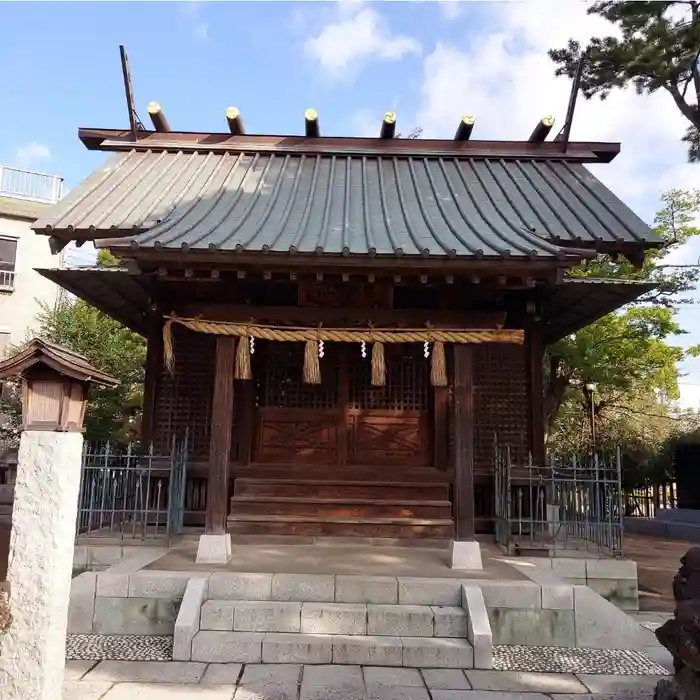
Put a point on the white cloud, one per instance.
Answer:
(356, 35)
(192, 11)
(504, 78)
(30, 154)
(451, 9)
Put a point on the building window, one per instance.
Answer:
(8, 255)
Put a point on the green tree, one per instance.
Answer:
(658, 48)
(628, 355)
(112, 413)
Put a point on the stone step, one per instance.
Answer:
(390, 620)
(210, 646)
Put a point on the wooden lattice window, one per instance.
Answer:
(407, 379)
(278, 367)
(500, 402)
(183, 398)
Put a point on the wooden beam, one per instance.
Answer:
(154, 363)
(463, 440)
(541, 131)
(388, 126)
(535, 358)
(465, 128)
(189, 142)
(220, 438)
(155, 112)
(234, 121)
(311, 126)
(416, 318)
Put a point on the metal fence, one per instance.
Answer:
(647, 500)
(132, 492)
(559, 506)
(27, 184)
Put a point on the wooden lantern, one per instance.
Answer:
(55, 383)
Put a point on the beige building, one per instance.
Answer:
(24, 196)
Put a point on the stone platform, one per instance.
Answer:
(350, 605)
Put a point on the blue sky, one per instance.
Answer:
(431, 62)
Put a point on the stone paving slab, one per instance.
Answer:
(485, 695)
(332, 683)
(406, 677)
(83, 690)
(386, 692)
(160, 691)
(521, 682)
(222, 674)
(445, 679)
(613, 684)
(75, 670)
(147, 672)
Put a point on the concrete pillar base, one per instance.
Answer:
(214, 549)
(465, 555)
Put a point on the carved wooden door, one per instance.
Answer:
(295, 422)
(389, 425)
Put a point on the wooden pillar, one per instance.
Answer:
(535, 358)
(343, 424)
(440, 427)
(463, 440)
(154, 365)
(220, 438)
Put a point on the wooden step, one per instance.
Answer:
(340, 507)
(329, 526)
(325, 472)
(325, 488)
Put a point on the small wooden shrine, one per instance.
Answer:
(344, 325)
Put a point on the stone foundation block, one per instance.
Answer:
(623, 593)
(429, 591)
(111, 585)
(437, 653)
(170, 585)
(267, 616)
(187, 623)
(366, 589)
(511, 594)
(478, 626)
(217, 615)
(227, 647)
(214, 549)
(466, 555)
(534, 627)
(81, 608)
(240, 586)
(297, 649)
(367, 651)
(569, 568)
(611, 568)
(334, 618)
(449, 621)
(135, 616)
(304, 588)
(400, 620)
(600, 625)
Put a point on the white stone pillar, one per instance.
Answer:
(32, 653)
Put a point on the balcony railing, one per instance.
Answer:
(7, 280)
(25, 184)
